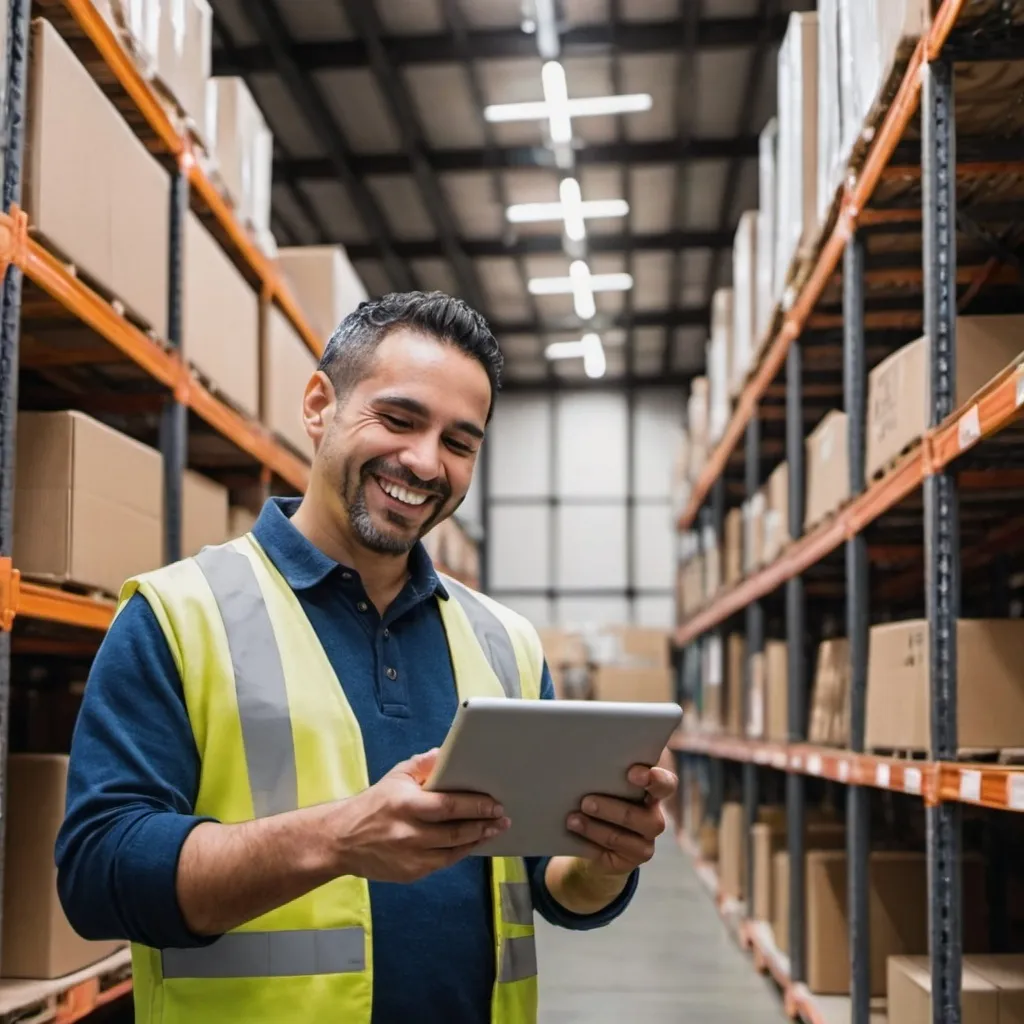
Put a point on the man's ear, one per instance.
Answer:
(319, 404)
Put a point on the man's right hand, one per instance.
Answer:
(396, 831)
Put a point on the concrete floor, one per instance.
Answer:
(667, 960)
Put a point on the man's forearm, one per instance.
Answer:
(229, 874)
(576, 885)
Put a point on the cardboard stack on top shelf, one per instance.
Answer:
(745, 337)
(38, 940)
(897, 413)
(796, 172)
(633, 664)
(990, 686)
(325, 284)
(719, 353)
(91, 189)
(767, 230)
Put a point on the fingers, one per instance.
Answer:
(660, 783)
(644, 820)
(461, 833)
(440, 807)
(419, 766)
(629, 846)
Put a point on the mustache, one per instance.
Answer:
(382, 467)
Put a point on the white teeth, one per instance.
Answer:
(401, 494)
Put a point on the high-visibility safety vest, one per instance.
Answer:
(275, 733)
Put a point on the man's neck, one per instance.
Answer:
(383, 576)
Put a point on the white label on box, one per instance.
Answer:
(969, 427)
(814, 764)
(912, 780)
(1020, 386)
(970, 786)
(882, 776)
(844, 771)
(797, 763)
(779, 759)
(1015, 792)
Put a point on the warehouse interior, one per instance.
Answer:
(754, 268)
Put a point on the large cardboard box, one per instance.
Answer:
(91, 188)
(1006, 973)
(910, 993)
(637, 645)
(712, 673)
(735, 672)
(776, 514)
(204, 513)
(898, 386)
(744, 308)
(184, 58)
(719, 349)
(732, 847)
(757, 703)
(828, 474)
(767, 229)
(221, 320)
(769, 839)
(88, 502)
(766, 842)
(618, 682)
(325, 284)
(776, 683)
(288, 365)
(829, 716)
(990, 685)
(38, 941)
(797, 176)
(733, 545)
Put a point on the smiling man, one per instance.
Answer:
(245, 800)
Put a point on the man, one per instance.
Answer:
(245, 801)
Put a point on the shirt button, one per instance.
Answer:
(392, 674)
(362, 606)
(346, 575)
(387, 634)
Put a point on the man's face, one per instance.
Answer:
(400, 450)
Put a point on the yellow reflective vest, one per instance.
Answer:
(275, 733)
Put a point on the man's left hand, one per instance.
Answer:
(622, 834)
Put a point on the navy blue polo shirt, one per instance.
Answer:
(134, 776)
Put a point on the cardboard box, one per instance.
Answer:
(776, 513)
(897, 413)
(828, 474)
(829, 715)
(88, 502)
(287, 367)
(91, 188)
(766, 842)
(1006, 973)
(38, 941)
(719, 349)
(757, 704)
(780, 900)
(767, 231)
(990, 685)
(240, 521)
(204, 513)
(797, 209)
(184, 58)
(637, 645)
(737, 663)
(324, 282)
(753, 534)
(615, 682)
(221, 320)
(776, 663)
(712, 671)
(732, 848)
(910, 993)
(244, 157)
(733, 545)
(744, 308)
(712, 563)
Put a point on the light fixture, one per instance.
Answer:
(535, 213)
(564, 285)
(591, 106)
(582, 292)
(556, 99)
(572, 209)
(589, 348)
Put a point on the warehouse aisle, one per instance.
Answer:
(668, 960)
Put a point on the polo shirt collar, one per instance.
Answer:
(303, 565)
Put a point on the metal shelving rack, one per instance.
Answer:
(944, 465)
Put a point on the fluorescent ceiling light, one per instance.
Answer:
(535, 213)
(572, 209)
(567, 286)
(582, 292)
(556, 97)
(594, 362)
(611, 282)
(564, 350)
(498, 113)
(591, 106)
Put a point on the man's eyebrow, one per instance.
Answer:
(419, 409)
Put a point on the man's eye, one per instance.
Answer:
(398, 424)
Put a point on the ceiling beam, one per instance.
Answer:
(667, 151)
(442, 48)
(543, 245)
(686, 316)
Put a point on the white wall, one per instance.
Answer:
(579, 517)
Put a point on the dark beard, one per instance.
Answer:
(380, 541)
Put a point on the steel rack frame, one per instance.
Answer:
(941, 470)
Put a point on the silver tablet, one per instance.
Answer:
(540, 758)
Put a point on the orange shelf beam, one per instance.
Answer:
(853, 201)
(994, 407)
(121, 65)
(37, 601)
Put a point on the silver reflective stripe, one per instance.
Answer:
(516, 903)
(259, 680)
(492, 637)
(271, 955)
(518, 959)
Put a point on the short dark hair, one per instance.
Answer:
(347, 357)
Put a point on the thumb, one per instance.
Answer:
(419, 766)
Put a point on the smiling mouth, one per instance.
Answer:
(403, 495)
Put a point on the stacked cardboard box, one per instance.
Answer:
(204, 513)
(753, 531)
(712, 672)
(712, 551)
(776, 686)
(732, 546)
(719, 354)
(91, 188)
(287, 368)
(736, 665)
(767, 230)
(829, 723)
(776, 513)
(568, 661)
(828, 473)
(745, 339)
(991, 989)
(697, 426)
(633, 664)
(990, 685)
(325, 284)
(38, 940)
(897, 393)
(797, 177)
